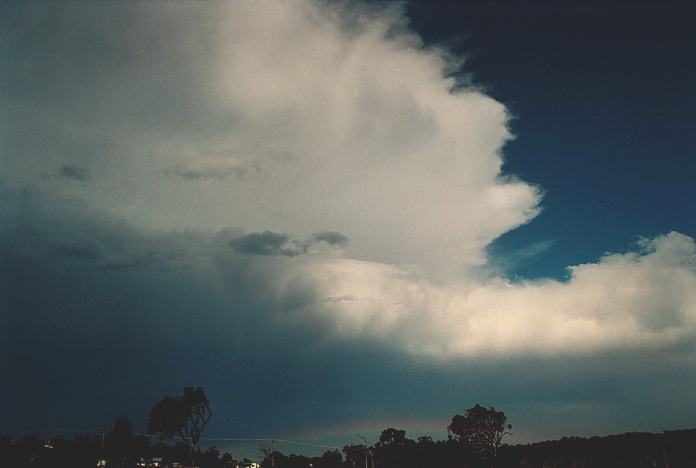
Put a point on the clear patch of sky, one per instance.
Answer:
(603, 100)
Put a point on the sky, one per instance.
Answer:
(338, 217)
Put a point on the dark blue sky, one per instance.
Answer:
(604, 100)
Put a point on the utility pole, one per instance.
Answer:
(366, 449)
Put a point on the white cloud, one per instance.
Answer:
(295, 117)
(644, 299)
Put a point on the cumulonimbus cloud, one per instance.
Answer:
(322, 122)
(295, 117)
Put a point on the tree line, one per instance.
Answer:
(475, 440)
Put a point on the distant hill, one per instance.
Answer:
(669, 449)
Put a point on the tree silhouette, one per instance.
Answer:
(182, 416)
(119, 439)
(392, 437)
(669, 449)
(481, 428)
(394, 449)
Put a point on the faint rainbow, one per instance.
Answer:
(346, 433)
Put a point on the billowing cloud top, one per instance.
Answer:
(290, 117)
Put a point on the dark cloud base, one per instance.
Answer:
(269, 243)
(70, 171)
(83, 343)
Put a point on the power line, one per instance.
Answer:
(260, 439)
(212, 439)
(308, 444)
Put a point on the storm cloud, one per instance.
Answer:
(229, 165)
(303, 332)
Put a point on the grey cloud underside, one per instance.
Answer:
(331, 238)
(264, 243)
(71, 233)
(70, 171)
(272, 243)
(68, 232)
(241, 325)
